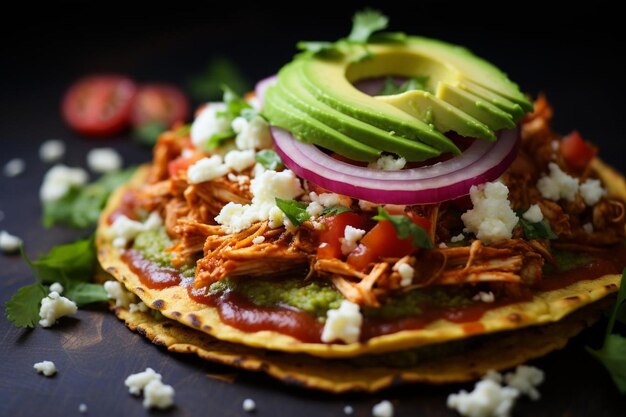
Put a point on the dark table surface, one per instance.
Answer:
(563, 54)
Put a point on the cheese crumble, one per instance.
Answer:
(206, 169)
(557, 184)
(103, 160)
(383, 409)
(343, 323)
(388, 163)
(248, 405)
(46, 368)
(351, 235)
(9, 243)
(58, 181)
(491, 218)
(533, 214)
(53, 307)
(52, 150)
(116, 291)
(14, 167)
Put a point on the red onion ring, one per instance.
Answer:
(480, 163)
(261, 87)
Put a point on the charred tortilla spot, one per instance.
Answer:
(139, 289)
(292, 380)
(572, 298)
(176, 314)
(207, 327)
(158, 304)
(112, 269)
(515, 317)
(610, 287)
(141, 331)
(195, 321)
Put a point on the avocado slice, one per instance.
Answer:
(315, 98)
(307, 129)
(293, 92)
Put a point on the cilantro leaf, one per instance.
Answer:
(218, 139)
(235, 104)
(148, 133)
(220, 71)
(366, 22)
(83, 293)
(390, 87)
(334, 210)
(269, 159)
(406, 228)
(613, 352)
(294, 210)
(540, 230)
(23, 308)
(72, 261)
(81, 206)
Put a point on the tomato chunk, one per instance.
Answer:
(160, 103)
(576, 152)
(330, 246)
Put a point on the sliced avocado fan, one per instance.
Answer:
(316, 99)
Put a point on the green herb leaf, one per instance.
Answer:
(147, 134)
(81, 206)
(294, 210)
(406, 228)
(317, 46)
(366, 22)
(334, 210)
(72, 261)
(83, 293)
(269, 159)
(390, 87)
(23, 308)
(540, 230)
(235, 104)
(613, 352)
(220, 71)
(218, 139)
(388, 37)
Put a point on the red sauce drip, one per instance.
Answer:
(150, 274)
(241, 314)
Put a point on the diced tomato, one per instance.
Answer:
(334, 227)
(382, 242)
(161, 103)
(182, 163)
(576, 152)
(99, 105)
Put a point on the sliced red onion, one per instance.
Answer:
(483, 161)
(261, 87)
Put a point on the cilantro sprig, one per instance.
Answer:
(539, 230)
(81, 206)
(294, 210)
(366, 27)
(612, 354)
(236, 106)
(405, 228)
(269, 159)
(72, 265)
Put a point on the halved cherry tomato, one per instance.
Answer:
(99, 105)
(576, 152)
(330, 246)
(160, 103)
(382, 242)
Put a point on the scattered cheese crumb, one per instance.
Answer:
(485, 297)
(211, 120)
(533, 214)
(14, 167)
(53, 307)
(240, 160)
(588, 227)
(406, 273)
(491, 218)
(383, 409)
(82, 408)
(314, 209)
(9, 243)
(135, 308)
(343, 323)
(248, 405)
(123, 229)
(525, 379)
(591, 191)
(348, 410)
(330, 199)
(388, 163)
(116, 291)
(367, 206)
(557, 184)
(351, 235)
(488, 399)
(52, 150)
(206, 169)
(137, 382)
(253, 134)
(47, 368)
(458, 238)
(494, 376)
(258, 239)
(56, 287)
(158, 395)
(103, 160)
(58, 181)
(443, 245)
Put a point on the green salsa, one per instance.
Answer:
(152, 245)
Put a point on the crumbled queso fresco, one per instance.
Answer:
(383, 409)
(8, 242)
(533, 214)
(343, 324)
(156, 394)
(103, 160)
(53, 307)
(123, 229)
(46, 368)
(349, 241)
(58, 181)
(559, 185)
(492, 219)
(52, 150)
(116, 291)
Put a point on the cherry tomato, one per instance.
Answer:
(160, 103)
(99, 105)
(382, 242)
(576, 152)
(330, 246)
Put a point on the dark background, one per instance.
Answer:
(572, 54)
